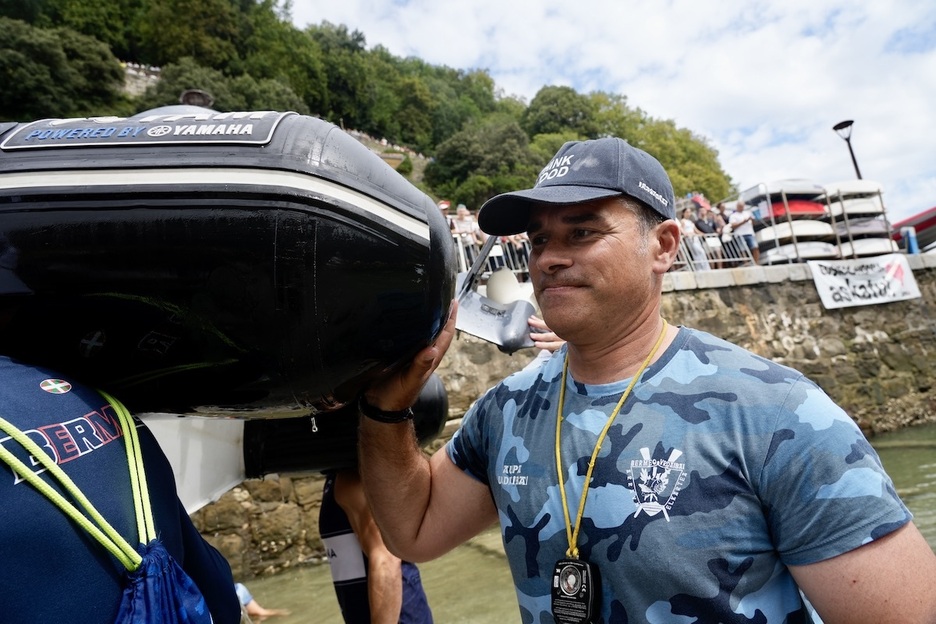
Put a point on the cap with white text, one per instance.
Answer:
(583, 171)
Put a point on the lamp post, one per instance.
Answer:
(844, 130)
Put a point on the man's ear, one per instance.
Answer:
(665, 245)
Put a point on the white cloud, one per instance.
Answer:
(764, 82)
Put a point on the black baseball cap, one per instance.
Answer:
(583, 171)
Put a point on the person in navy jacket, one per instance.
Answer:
(51, 569)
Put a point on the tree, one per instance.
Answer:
(230, 94)
(474, 191)
(460, 97)
(485, 158)
(29, 11)
(98, 75)
(274, 49)
(613, 117)
(478, 86)
(690, 161)
(109, 22)
(248, 55)
(385, 97)
(511, 106)
(544, 146)
(207, 31)
(451, 111)
(348, 75)
(560, 109)
(184, 74)
(416, 105)
(56, 73)
(267, 94)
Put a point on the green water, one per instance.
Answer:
(472, 583)
(909, 456)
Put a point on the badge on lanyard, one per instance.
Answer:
(576, 584)
(575, 591)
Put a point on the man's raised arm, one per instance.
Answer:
(424, 507)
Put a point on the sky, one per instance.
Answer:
(762, 82)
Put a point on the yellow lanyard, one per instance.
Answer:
(570, 534)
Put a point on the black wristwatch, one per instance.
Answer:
(373, 413)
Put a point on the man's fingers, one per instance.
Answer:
(437, 349)
(401, 390)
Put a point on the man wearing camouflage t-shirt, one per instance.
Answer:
(646, 472)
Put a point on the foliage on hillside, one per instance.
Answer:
(59, 58)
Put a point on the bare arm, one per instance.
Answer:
(424, 507)
(889, 580)
(384, 575)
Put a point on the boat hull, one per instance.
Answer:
(798, 252)
(785, 231)
(855, 207)
(796, 208)
(854, 199)
(862, 228)
(868, 247)
(257, 277)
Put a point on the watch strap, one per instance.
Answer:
(379, 415)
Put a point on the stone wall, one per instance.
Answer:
(877, 362)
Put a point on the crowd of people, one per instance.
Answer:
(512, 252)
(716, 238)
(712, 238)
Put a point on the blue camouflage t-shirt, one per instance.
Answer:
(721, 469)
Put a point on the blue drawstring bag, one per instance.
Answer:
(157, 589)
(159, 586)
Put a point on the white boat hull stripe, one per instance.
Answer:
(213, 176)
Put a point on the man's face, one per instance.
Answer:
(591, 267)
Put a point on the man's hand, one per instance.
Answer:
(401, 389)
(542, 336)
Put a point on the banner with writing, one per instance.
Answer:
(864, 281)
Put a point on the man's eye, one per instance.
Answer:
(537, 240)
(580, 233)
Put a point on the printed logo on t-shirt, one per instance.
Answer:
(512, 474)
(69, 440)
(656, 482)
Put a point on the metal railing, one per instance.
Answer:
(708, 252)
(512, 254)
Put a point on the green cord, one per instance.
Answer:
(106, 535)
(103, 532)
(141, 501)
